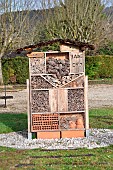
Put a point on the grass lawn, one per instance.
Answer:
(37, 159)
(84, 159)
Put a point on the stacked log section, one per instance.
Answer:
(70, 121)
(42, 122)
(40, 101)
(38, 82)
(75, 99)
(58, 67)
(37, 65)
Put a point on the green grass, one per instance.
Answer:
(12, 122)
(101, 118)
(37, 159)
(80, 159)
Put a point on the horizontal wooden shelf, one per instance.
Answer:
(72, 129)
(59, 130)
(73, 88)
(69, 112)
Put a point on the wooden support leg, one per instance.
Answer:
(86, 107)
(28, 109)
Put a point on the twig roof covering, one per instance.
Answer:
(81, 45)
(28, 49)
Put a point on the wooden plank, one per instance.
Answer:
(81, 65)
(86, 103)
(73, 62)
(53, 97)
(36, 54)
(28, 107)
(77, 62)
(62, 100)
(62, 56)
(68, 48)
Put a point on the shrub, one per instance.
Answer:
(16, 70)
(98, 67)
(17, 67)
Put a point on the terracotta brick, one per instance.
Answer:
(48, 135)
(72, 134)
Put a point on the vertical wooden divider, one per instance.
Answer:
(62, 100)
(53, 100)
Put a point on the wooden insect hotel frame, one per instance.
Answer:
(57, 93)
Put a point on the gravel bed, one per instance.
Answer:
(97, 138)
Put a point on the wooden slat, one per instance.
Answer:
(53, 100)
(86, 103)
(28, 107)
(62, 100)
(35, 54)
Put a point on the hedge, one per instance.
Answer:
(99, 67)
(15, 70)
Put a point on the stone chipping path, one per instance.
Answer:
(97, 138)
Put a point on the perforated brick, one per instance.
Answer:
(44, 122)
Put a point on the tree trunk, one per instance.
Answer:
(1, 77)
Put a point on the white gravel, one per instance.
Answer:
(97, 138)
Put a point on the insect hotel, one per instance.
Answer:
(57, 91)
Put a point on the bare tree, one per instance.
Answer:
(17, 26)
(83, 20)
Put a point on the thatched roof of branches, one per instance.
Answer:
(28, 49)
(81, 45)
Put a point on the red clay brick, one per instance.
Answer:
(48, 135)
(72, 134)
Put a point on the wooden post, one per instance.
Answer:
(86, 106)
(28, 110)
